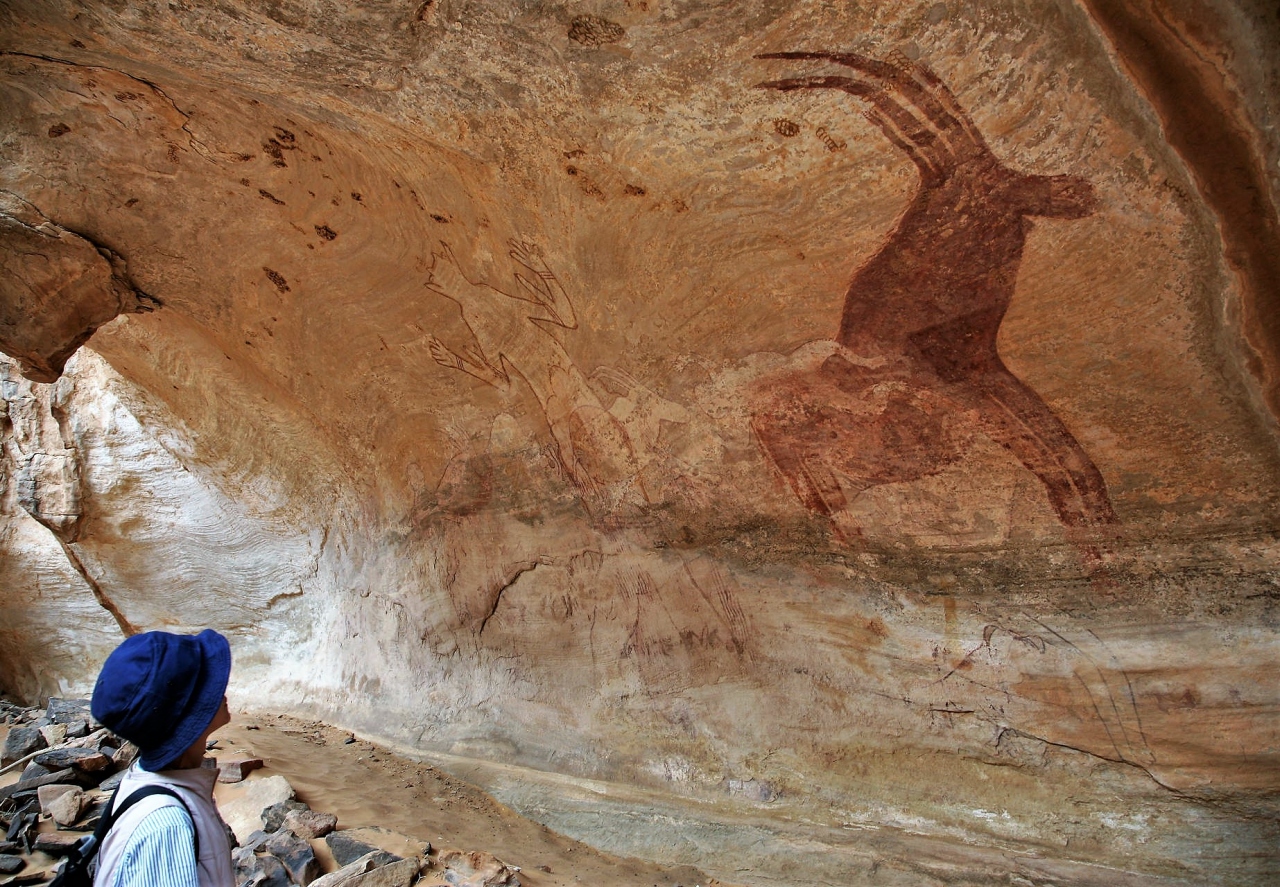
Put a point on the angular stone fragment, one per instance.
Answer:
(236, 771)
(92, 811)
(21, 742)
(63, 803)
(476, 869)
(10, 864)
(21, 820)
(54, 734)
(310, 823)
(246, 802)
(296, 854)
(124, 756)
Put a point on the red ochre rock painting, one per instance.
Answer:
(916, 373)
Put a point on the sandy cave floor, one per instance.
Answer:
(365, 784)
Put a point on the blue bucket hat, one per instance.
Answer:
(160, 691)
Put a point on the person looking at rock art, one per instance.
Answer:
(165, 693)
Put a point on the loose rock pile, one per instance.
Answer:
(71, 764)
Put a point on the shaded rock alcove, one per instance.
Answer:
(812, 442)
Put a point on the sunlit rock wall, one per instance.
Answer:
(853, 466)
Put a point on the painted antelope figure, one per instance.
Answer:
(916, 371)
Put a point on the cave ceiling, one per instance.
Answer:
(675, 393)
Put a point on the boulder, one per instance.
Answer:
(254, 842)
(262, 871)
(21, 742)
(10, 864)
(310, 823)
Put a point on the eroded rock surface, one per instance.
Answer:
(763, 413)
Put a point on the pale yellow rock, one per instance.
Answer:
(63, 803)
(54, 734)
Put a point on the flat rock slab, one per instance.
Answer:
(56, 843)
(23, 785)
(86, 760)
(10, 864)
(375, 838)
(347, 848)
(236, 771)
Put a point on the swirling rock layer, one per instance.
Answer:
(809, 442)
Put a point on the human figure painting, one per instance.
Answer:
(916, 373)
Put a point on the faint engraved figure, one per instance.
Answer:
(675, 447)
(512, 340)
(915, 370)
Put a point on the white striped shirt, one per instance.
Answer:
(161, 852)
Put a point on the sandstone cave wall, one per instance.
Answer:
(528, 386)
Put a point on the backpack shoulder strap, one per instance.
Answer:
(147, 791)
(87, 847)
